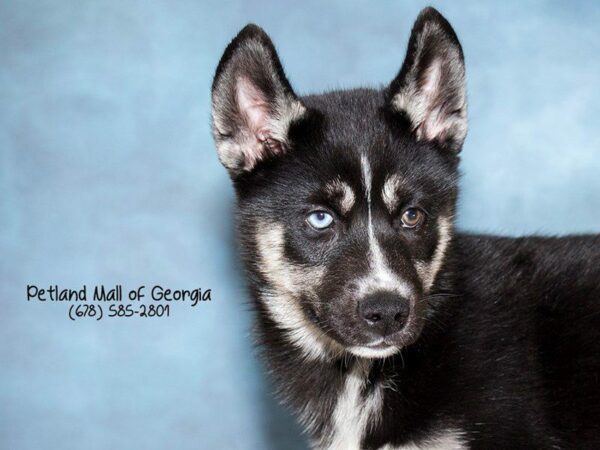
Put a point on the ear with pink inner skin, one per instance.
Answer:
(253, 104)
(430, 88)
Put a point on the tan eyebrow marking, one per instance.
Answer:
(342, 193)
(389, 194)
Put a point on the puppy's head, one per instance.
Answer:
(345, 199)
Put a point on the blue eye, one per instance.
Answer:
(320, 220)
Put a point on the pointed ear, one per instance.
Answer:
(253, 103)
(430, 88)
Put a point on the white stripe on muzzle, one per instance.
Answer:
(380, 276)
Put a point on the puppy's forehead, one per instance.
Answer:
(356, 133)
(345, 191)
(352, 117)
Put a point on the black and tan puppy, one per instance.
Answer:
(383, 326)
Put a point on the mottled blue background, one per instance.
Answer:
(108, 175)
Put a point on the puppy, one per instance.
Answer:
(383, 326)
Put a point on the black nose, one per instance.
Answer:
(384, 312)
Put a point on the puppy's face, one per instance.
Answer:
(346, 199)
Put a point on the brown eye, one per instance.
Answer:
(412, 217)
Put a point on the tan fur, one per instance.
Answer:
(287, 283)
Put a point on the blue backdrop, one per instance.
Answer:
(108, 175)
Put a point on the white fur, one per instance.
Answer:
(287, 282)
(380, 277)
(353, 414)
(372, 353)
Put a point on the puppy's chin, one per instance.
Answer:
(383, 347)
(378, 352)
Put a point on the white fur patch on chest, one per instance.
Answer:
(354, 411)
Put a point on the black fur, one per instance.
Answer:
(511, 355)
(504, 345)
